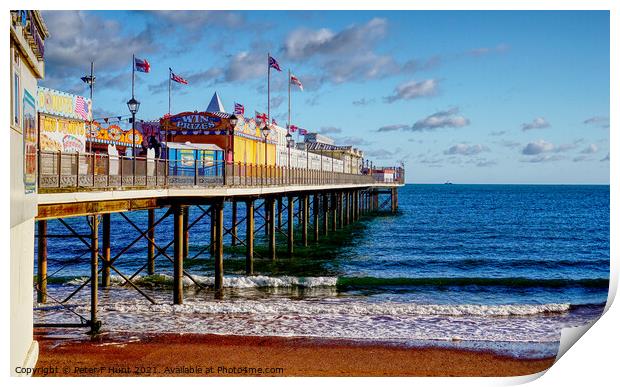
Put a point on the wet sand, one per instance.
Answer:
(214, 355)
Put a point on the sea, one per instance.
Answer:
(499, 268)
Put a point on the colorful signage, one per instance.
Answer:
(194, 121)
(61, 135)
(113, 135)
(30, 143)
(61, 104)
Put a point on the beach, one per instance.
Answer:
(217, 355)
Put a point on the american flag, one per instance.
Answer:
(142, 65)
(293, 128)
(261, 116)
(80, 107)
(239, 109)
(273, 63)
(177, 78)
(302, 131)
(296, 81)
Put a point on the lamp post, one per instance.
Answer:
(233, 123)
(90, 81)
(289, 145)
(265, 130)
(133, 105)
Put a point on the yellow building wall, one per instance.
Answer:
(253, 152)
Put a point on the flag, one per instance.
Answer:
(293, 128)
(142, 65)
(302, 131)
(273, 122)
(239, 109)
(273, 63)
(80, 107)
(261, 116)
(176, 78)
(106, 120)
(296, 81)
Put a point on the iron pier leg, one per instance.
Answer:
(212, 229)
(280, 213)
(334, 212)
(304, 221)
(42, 262)
(177, 294)
(105, 273)
(185, 231)
(271, 228)
(94, 274)
(249, 237)
(342, 207)
(325, 214)
(219, 251)
(291, 224)
(233, 229)
(315, 216)
(151, 242)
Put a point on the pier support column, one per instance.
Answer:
(105, 251)
(394, 200)
(347, 208)
(355, 207)
(249, 237)
(151, 245)
(233, 228)
(185, 231)
(42, 261)
(334, 212)
(315, 217)
(342, 207)
(325, 214)
(179, 237)
(212, 230)
(304, 220)
(271, 228)
(291, 225)
(280, 213)
(219, 245)
(94, 274)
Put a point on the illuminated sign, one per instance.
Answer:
(59, 103)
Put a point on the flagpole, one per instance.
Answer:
(133, 74)
(268, 88)
(289, 99)
(169, 87)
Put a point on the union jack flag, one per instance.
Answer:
(239, 108)
(296, 81)
(142, 65)
(293, 128)
(273, 122)
(302, 131)
(177, 78)
(261, 116)
(273, 63)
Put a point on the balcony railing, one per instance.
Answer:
(78, 171)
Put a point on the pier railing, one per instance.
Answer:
(78, 171)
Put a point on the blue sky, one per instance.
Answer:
(464, 96)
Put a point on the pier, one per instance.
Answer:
(301, 205)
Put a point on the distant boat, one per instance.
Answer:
(448, 182)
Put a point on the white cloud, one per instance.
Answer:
(442, 119)
(466, 149)
(537, 123)
(414, 89)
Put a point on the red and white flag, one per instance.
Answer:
(261, 116)
(292, 128)
(297, 82)
(142, 65)
(177, 78)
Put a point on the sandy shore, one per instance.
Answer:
(213, 355)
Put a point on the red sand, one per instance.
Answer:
(209, 355)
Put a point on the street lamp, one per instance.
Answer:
(90, 81)
(289, 145)
(233, 123)
(133, 105)
(265, 129)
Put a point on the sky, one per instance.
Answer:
(462, 96)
